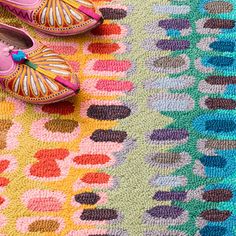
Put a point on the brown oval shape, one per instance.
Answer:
(3, 141)
(217, 7)
(166, 158)
(87, 198)
(221, 80)
(109, 136)
(169, 62)
(220, 103)
(220, 144)
(113, 14)
(99, 214)
(5, 125)
(62, 126)
(215, 215)
(112, 112)
(217, 195)
(43, 226)
(219, 24)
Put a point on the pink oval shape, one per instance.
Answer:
(111, 65)
(112, 85)
(64, 48)
(44, 204)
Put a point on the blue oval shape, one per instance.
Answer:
(223, 46)
(213, 161)
(213, 231)
(221, 61)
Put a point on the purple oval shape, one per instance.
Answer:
(177, 24)
(99, 214)
(173, 45)
(169, 134)
(170, 196)
(166, 212)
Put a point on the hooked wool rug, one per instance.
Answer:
(148, 147)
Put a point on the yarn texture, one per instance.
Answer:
(148, 146)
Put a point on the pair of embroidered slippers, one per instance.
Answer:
(29, 70)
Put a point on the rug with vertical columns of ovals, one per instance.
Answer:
(148, 147)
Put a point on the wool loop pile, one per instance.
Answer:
(148, 146)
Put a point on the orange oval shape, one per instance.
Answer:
(107, 30)
(4, 181)
(89, 159)
(103, 48)
(96, 178)
(62, 108)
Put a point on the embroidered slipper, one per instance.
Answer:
(56, 17)
(32, 72)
